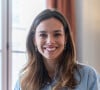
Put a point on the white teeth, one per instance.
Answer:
(50, 49)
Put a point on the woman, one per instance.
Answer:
(52, 61)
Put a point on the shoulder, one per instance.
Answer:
(87, 71)
(83, 68)
(89, 76)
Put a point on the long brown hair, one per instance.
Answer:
(35, 75)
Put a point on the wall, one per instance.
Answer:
(88, 32)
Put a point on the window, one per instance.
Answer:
(23, 13)
(17, 16)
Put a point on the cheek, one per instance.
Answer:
(62, 40)
(63, 44)
(39, 42)
(36, 39)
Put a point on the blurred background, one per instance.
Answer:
(16, 17)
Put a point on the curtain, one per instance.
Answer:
(67, 8)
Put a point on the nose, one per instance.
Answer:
(50, 39)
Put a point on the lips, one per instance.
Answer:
(50, 48)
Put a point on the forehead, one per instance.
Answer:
(50, 25)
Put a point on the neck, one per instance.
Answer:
(51, 67)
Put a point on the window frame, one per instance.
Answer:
(6, 23)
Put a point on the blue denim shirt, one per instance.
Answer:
(90, 80)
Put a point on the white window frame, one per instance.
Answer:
(6, 46)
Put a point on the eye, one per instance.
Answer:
(57, 34)
(42, 35)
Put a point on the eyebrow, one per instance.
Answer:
(42, 31)
(55, 31)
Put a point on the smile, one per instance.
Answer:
(50, 48)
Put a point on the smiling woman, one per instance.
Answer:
(50, 43)
(52, 61)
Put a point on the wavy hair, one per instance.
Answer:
(35, 75)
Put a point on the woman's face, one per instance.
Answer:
(50, 39)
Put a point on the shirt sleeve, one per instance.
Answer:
(17, 86)
(93, 80)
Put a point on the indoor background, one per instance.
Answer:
(16, 17)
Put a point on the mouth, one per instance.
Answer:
(50, 49)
